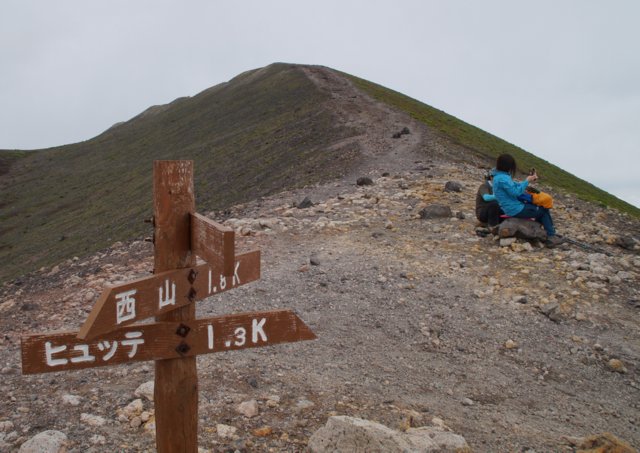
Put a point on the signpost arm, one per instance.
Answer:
(176, 380)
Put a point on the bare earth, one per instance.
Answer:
(419, 322)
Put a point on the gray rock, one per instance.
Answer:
(226, 431)
(506, 242)
(145, 390)
(625, 242)
(46, 442)
(306, 203)
(435, 211)
(453, 186)
(551, 311)
(248, 408)
(521, 228)
(343, 433)
(364, 181)
(92, 420)
(304, 404)
(6, 426)
(72, 400)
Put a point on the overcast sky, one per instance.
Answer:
(560, 79)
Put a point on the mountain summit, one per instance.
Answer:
(270, 129)
(430, 329)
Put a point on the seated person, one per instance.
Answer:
(507, 191)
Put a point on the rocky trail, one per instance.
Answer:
(421, 322)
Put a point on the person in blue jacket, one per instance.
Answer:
(507, 191)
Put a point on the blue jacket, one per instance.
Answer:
(507, 192)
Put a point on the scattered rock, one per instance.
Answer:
(145, 390)
(626, 242)
(507, 242)
(617, 366)
(304, 204)
(405, 130)
(248, 408)
(343, 433)
(364, 181)
(273, 401)
(520, 299)
(72, 400)
(98, 439)
(133, 409)
(521, 228)
(435, 211)
(453, 186)
(263, 432)
(510, 344)
(552, 311)
(304, 404)
(50, 441)
(226, 431)
(604, 443)
(136, 422)
(92, 420)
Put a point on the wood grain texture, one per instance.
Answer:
(152, 294)
(213, 242)
(163, 340)
(176, 380)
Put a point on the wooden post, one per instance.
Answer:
(176, 380)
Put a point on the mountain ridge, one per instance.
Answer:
(266, 130)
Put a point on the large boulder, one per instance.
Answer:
(46, 442)
(343, 433)
(521, 228)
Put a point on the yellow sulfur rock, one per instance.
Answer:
(263, 432)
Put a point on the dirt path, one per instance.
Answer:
(416, 320)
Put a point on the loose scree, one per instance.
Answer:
(112, 334)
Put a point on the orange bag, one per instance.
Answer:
(542, 199)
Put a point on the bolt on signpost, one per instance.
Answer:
(111, 334)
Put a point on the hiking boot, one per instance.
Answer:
(553, 241)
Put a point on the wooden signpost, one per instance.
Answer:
(111, 334)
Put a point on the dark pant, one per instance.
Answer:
(540, 214)
(490, 213)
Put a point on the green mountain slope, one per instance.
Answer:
(490, 146)
(264, 131)
(260, 132)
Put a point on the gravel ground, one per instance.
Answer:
(419, 322)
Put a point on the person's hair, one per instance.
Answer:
(506, 163)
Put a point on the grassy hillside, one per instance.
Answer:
(7, 159)
(257, 134)
(249, 137)
(491, 146)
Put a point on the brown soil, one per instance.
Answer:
(417, 320)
